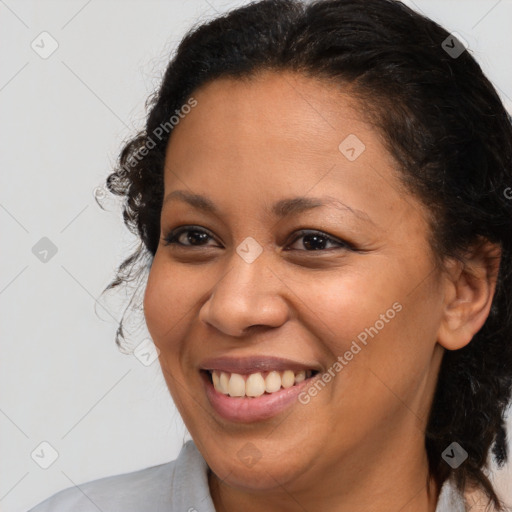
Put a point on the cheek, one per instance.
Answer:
(167, 300)
(379, 362)
(372, 318)
(341, 305)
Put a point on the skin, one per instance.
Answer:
(359, 444)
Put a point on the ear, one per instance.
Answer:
(469, 290)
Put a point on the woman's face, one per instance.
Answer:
(244, 292)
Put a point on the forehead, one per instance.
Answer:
(282, 134)
(274, 110)
(274, 119)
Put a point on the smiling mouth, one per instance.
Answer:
(256, 384)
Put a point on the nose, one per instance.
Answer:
(247, 295)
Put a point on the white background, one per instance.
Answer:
(62, 378)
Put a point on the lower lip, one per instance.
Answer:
(251, 409)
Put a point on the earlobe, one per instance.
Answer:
(469, 291)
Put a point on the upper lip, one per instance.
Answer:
(253, 364)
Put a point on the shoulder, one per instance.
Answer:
(450, 499)
(120, 492)
(166, 487)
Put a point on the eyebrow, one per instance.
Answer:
(282, 208)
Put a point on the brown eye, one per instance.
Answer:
(318, 241)
(189, 236)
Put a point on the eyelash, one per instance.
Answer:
(172, 238)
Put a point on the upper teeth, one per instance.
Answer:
(257, 383)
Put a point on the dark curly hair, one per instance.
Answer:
(438, 115)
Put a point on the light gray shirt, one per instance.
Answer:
(177, 486)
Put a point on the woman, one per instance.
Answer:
(321, 195)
